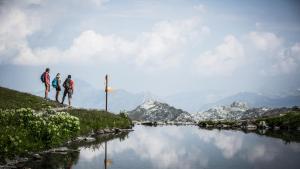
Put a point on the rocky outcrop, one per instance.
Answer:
(156, 111)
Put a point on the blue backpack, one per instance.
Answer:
(43, 77)
(54, 83)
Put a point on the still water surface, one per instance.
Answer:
(188, 147)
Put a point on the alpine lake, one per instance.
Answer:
(183, 147)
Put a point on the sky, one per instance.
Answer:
(164, 47)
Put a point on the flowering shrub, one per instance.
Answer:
(24, 129)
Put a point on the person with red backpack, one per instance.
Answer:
(69, 89)
(45, 78)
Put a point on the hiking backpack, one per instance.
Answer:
(43, 77)
(54, 83)
(67, 83)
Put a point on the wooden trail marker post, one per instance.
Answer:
(106, 91)
(106, 96)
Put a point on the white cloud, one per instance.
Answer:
(265, 40)
(200, 7)
(15, 26)
(223, 60)
(156, 49)
(99, 2)
(287, 61)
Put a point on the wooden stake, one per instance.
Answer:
(106, 85)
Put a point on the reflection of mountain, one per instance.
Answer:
(155, 111)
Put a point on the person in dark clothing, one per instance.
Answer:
(69, 89)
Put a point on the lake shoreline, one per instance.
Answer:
(70, 146)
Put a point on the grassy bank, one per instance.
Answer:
(291, 120)
(29, 123)
(95, 119)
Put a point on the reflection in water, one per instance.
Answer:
(54, 161)
(190, 147)
(107, 162)
(172, 147)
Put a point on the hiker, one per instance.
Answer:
(56, 84)
(69, 89)
(45, 78)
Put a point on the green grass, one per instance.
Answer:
(18, 135)
(95, 119)
(11, 99)
(290, 120)
(89, 119)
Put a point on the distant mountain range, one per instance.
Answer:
(157, 111)
(256, 100)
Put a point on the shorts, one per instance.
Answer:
(69, 92)
(58, 88)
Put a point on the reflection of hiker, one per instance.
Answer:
(45, 78)
(56, 84)
(69, 89)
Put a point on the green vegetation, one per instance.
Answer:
(29, 123)
(92, 120)
(11, 99)
(25, 130)
(210, 123)
(290, 120)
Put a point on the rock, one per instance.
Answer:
(62, 153)
(298, 128)
(61, 149)
(107, 131)
(263, 125)
(225, 126)
(276, 128)
(79, 138)
(37, 156)
(89, 139)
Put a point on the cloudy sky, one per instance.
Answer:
(160, 46)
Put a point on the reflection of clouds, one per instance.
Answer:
(191, 147)
(228, 142)
(294, 147)
(163, 147)
(257, 152)
(263, 152)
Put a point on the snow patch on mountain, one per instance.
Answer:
(235, 111)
